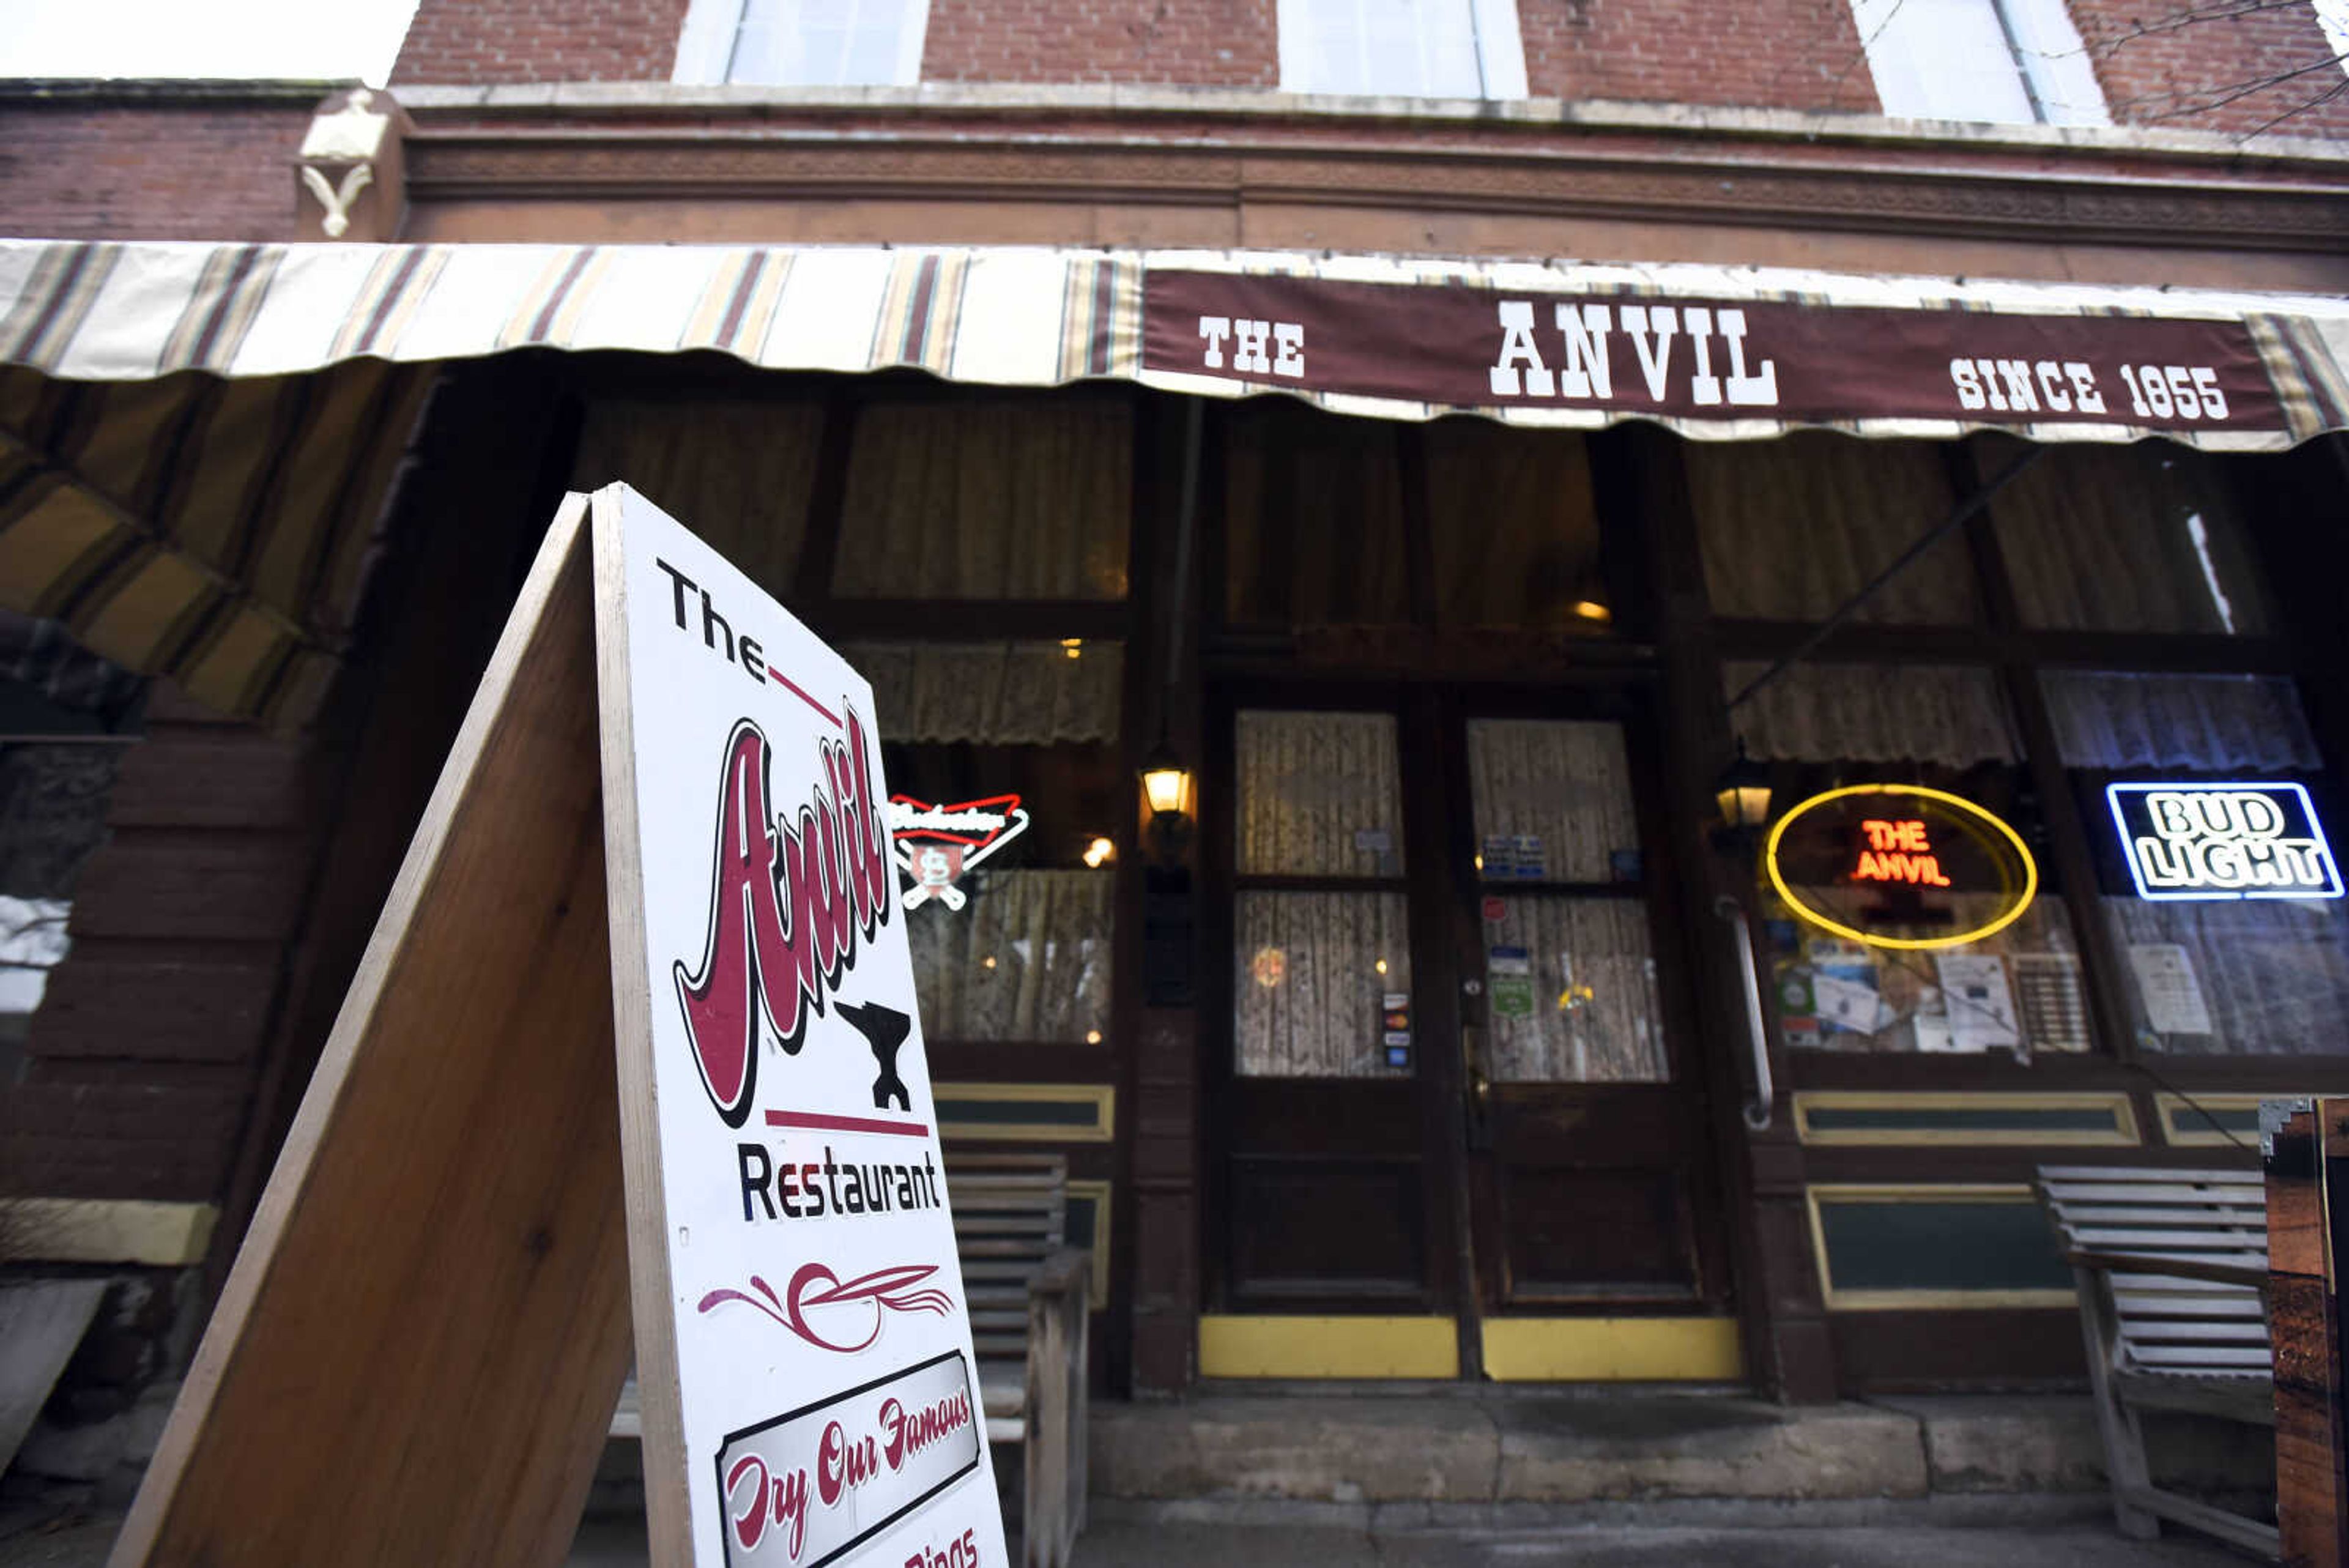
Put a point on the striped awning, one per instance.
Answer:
(196, 441)
(1377, 337)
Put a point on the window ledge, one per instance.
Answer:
(425, 101)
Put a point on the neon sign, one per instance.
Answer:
(935, 845)
(2208, 841)
(1896, 857)
(1899, 851)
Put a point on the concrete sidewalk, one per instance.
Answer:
(1673, 1538)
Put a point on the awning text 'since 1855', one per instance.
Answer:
(1621, 351)
(1716, 353)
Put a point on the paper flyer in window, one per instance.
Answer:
(2171, 992)
(1980, 1003)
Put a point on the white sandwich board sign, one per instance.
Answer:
(630, 1072)
(826, 1390)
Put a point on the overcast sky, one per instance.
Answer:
(325, 39)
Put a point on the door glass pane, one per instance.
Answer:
(1552, 801)
(1312, 973)
(1320, 794)
(1571, 984)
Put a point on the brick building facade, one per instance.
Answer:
(215, 926)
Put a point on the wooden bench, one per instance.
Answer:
(2171, 1267)
(1027, 1295)
(1027, 1291)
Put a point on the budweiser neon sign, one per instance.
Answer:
(935, 844)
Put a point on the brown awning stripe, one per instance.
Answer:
(215, 532)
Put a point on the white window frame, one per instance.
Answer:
(1500, 48)
(705, 48)
(2051, 68)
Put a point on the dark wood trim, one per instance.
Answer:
(2112, 1015)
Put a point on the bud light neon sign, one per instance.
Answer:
(2223, 841)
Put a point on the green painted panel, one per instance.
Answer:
(1966, 1118)
(1020, 1113)
(1940, 1244)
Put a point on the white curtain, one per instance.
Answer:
(1565, 783)
(2271, 971)
(993, 693)
(2208, 723)
(1872, 712)
(1027, 959)
(1596, 1018)
(1319, 794)
(1306, 986)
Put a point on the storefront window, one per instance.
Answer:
(2206, 805)
(1004, 499)
(1320, 795)
(1006, 752)
(1792, 528)
(2140, 538)
(1869, 899)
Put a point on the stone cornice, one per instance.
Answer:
(113, 92)
(1991, 190)
(641, 102)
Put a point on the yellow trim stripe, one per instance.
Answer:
(1329, 1347)
(107, 1230)
(1613, 1350)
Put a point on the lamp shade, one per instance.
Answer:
(1742, 792)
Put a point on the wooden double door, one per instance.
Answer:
(1455, 1081)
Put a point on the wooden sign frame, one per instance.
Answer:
(418, 1351)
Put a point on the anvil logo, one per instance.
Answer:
(936, 844)
(789, 899)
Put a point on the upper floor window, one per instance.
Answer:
(2019, 61)
(1406, 48)
(803, 43)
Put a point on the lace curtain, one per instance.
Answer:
(1871, 712)
(2206, 723)
(1027, 959)
(1596, 1018)
(993, 693)
(1308, 989)
(1566, 784)
(2140, 538)
(1005, 499)
(2271, 973)
(738, 475)
(1793, 527)
(1320, 794)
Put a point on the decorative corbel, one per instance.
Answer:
(350, 178)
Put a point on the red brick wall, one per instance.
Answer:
(1765, 53)
(468, 41)
(1194, 43)
(79, 171)
(2192, 76)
